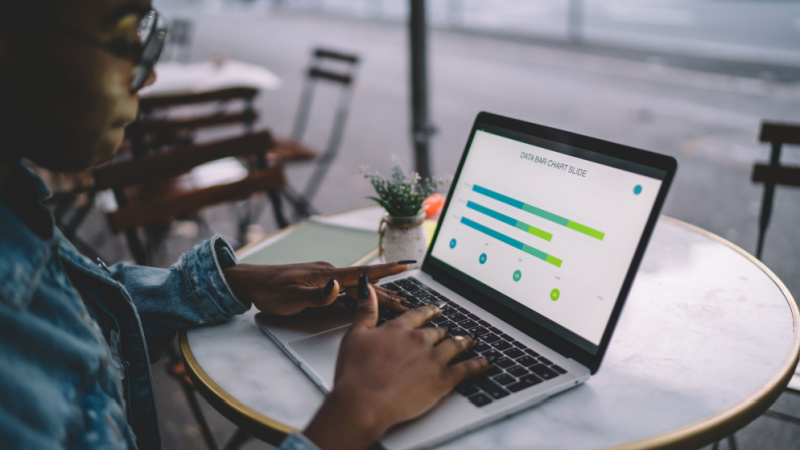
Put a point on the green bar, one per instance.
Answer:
(545, 214)
(553, 260)
(538, 233)
(586, 230)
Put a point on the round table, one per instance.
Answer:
(706, 342)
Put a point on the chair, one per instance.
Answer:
(772, 174)
(332, 67)
(160, 186)
(166, 120)
(169, 120)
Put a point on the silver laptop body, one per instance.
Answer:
(539, 242)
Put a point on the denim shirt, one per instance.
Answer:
(77, 338)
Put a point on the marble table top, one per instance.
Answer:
(706, 342)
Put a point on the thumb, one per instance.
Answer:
(366, 316)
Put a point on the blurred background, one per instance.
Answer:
(693, 79)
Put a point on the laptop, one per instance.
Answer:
(535, 252)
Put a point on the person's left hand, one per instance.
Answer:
(288, 289)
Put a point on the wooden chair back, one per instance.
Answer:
(150, 189)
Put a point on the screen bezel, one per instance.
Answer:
(551, 334)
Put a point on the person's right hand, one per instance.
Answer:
(388, 374)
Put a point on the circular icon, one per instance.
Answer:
(554, 294)
(452, 243)
(517, 275)
(482, 259)
(637, 189)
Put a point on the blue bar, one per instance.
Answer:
(491, 213)
(486, 230)
(497, 196)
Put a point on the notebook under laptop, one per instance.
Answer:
(535, 252)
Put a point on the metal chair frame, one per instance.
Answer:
(319, 72)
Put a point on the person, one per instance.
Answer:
(77, 337)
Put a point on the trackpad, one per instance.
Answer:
(319, 353)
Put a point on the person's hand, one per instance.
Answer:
(388, 374)
(291, 288)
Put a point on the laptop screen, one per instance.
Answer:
(551, 227)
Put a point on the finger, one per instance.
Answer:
(417, 317)
(450, 348)
(348, 276)
(467, 369)
(366, 316)
(433, 335)
(316, 296)
(386, 299)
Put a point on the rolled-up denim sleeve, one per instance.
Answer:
(191, 292)
(296, 441)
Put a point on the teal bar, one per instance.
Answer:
(512, 242)
(545, 214)
(497, 196)
(488, 231)
(534, 251)
(491, 213)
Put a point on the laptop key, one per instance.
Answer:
(458, 331)
(457, 317)
(531, 352)
(514, 352)
(543, 371)
(504, 362)
(473, 316)
(469, 323)
(481, 347)
(480, 400)
(527, 360)
(558, 369)
(544, 360)
(495, 330)
(518, 371)
(519, 345)
(490, 387)
(501, 345)
(484, 323)
(489, 338)
(504, 379)
(493, 370)
(466, 388)
(525, 382)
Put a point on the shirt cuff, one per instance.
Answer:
(204, 265)
(296, 441)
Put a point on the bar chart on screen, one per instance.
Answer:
(552, 231)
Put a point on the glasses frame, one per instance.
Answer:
(144, 55)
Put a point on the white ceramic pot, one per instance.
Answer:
(403, 238)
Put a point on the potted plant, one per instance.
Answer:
(402, 236)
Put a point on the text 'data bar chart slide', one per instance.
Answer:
(552, 231)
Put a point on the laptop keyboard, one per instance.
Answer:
(516, 366)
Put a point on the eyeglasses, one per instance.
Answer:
(151, 36)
